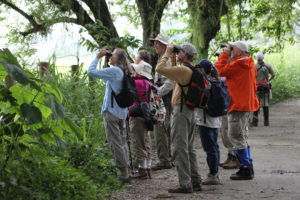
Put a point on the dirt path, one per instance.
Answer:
(276, 154)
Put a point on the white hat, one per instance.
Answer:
(259, 55)
(240, 44)
(161, 38)
(143, 69)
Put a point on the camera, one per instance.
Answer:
(176, 48)
(108, 54)
(223, 45)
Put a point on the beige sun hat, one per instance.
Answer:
(161, 38)
(240, 44)
(143, 69)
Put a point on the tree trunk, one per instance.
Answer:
(205, 22)
(151, 13)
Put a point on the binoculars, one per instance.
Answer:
(108, 54)
(176, 49)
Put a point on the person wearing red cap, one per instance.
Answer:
(240, 72)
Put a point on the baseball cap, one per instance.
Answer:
(188, 48)
(239, 44)
(161, 38)
(259, 56)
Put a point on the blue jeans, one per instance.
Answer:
(209, 139)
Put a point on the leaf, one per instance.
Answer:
(70, 127)
(15, 72)
(31, 113)
(54, 104)
(60, 142)
(7, 55)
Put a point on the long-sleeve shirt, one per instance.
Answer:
(113, 78)
(165, 85)
(180, 74)
(241, 81)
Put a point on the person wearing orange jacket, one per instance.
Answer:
(240, 72)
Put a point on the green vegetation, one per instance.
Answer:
(286, 66)
(52, 137)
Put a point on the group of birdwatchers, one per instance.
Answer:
(175, 137)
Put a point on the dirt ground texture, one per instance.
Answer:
(276, 157)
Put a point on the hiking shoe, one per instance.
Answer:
(243, 174)
(233, 164)
(124, 180)
(161, 166)
(141, 174)
(229, 158)
(212, 180)
(179, 189)
(197, 186)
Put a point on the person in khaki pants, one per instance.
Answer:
(182, 120)
(162, 132)
(141, 141)
(114, 116)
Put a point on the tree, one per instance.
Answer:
(92, 15)
(205, 22)
(151, 13)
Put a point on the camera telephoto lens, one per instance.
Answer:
(223, 45)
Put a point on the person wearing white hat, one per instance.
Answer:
(162, 132)
(264, 90)
(240, 72)
(141, 141)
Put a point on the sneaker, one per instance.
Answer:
(212, 180)
(161, 166)
(243, 174)
(179, 189)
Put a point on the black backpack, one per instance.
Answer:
(127, 95)
(198, 91)
(219, 99)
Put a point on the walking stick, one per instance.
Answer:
(129, 144)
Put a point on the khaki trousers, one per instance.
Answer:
(182, 145)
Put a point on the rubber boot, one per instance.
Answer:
(244, 173)
(266, 115)
(255, 118)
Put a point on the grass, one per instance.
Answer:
(286, 65)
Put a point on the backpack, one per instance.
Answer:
(157, 107)
(198, 91)
(219, 99)
(127, 95)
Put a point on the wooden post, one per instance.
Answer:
(44, 70)
(75, 72)
(9, 81)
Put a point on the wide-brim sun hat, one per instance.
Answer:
(240, 44)
(161, 38)
(143, 69)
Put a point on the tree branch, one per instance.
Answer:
(36, 26)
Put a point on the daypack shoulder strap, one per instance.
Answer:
(113, 94)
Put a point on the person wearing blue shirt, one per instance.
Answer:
(113, 116)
